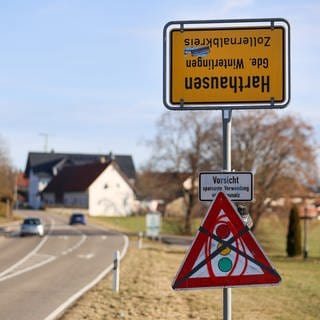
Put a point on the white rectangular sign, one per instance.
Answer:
(238, 186)
(153, 224)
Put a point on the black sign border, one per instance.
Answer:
(255, 24)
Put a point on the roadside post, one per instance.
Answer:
(225, 65)
(305, 232)
(140, 240)
(116, 271)
(305, 240)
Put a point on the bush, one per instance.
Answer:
(294, 233)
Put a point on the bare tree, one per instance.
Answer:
(160, 185)
(279, 149)
(182, 144)
(7, 178)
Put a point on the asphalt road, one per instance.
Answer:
(40, 277)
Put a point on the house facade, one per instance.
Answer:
(111, 194)
(37, 183)
(42, 167)
(102, 188)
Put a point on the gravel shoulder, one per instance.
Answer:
(146, 293)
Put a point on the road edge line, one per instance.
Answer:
(53, 315)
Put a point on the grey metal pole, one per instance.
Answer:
(305, 236)
(226, 122)
(226, 127)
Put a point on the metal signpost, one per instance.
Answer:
(226, 65)
(226, 127)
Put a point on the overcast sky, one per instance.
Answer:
(87, 75)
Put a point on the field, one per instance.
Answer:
(147, 273)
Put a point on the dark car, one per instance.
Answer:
(77, 218)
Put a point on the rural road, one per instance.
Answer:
(40, 277)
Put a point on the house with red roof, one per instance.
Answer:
(42, 167)
(22, 188)
(100, 187)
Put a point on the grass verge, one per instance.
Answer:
(146, 275)
(136, 224)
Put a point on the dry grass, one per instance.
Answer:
(145, 292)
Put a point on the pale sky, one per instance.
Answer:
(88, 74)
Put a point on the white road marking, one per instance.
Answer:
(33, 260)
(78, 294)
(76, 246)
(25, 258)
(86, 256)
(24, 270)
(64, 237)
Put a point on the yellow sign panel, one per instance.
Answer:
(227, 66)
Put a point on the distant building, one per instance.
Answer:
(309, 211)
(100, 187)
(43, 166)
(22, 189)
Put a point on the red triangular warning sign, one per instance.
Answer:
(224, 253)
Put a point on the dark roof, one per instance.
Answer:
(76, 178)
(43, 163)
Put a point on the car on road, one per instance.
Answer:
(32, 226)
(77, 218)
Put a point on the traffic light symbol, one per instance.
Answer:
(224, 262)
(224, 259)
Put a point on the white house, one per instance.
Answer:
(36, 185)
(110, 194)
(42, 167)
(100, 187)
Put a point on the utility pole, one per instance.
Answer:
(45, 146)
